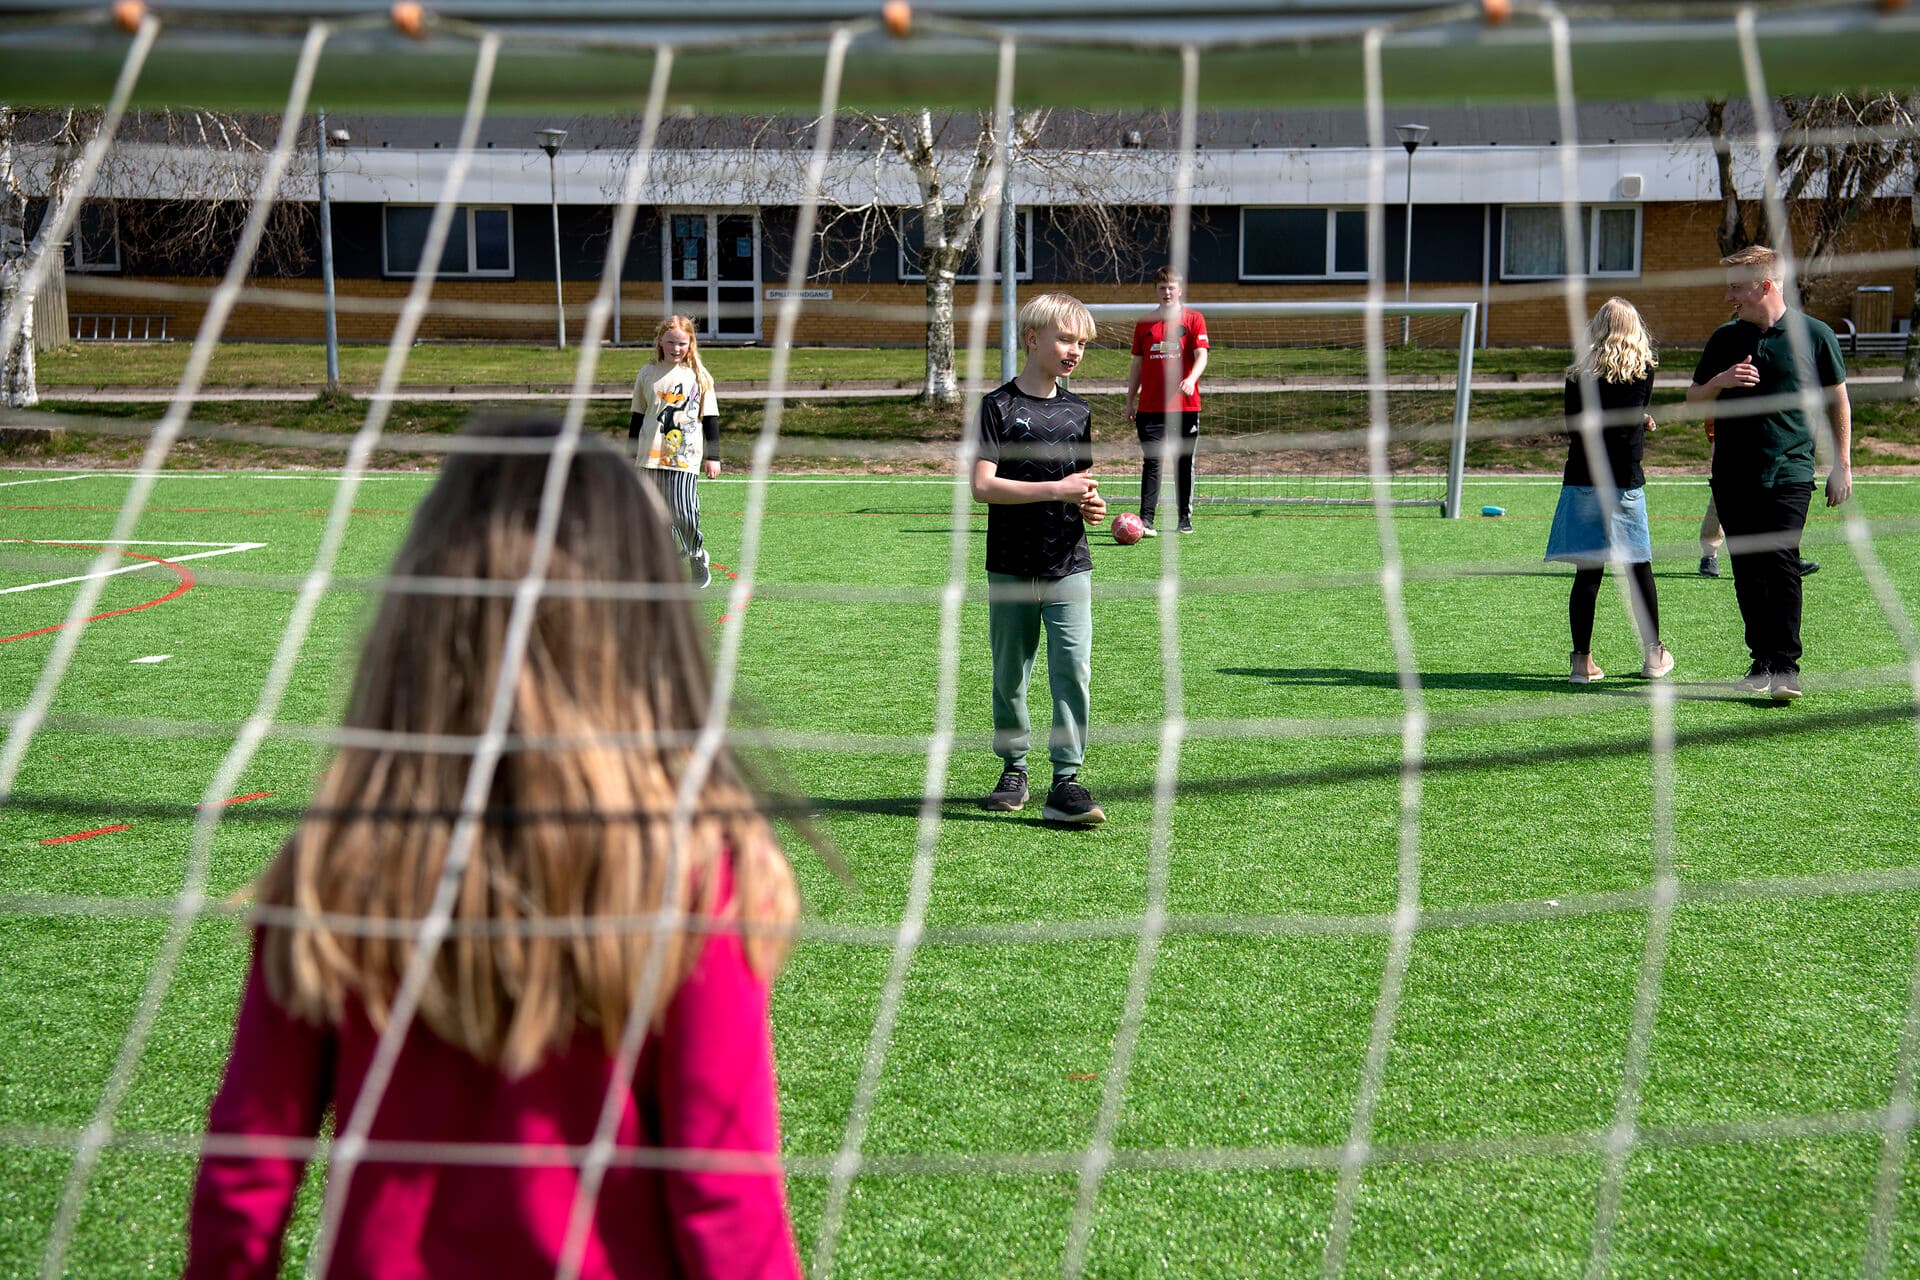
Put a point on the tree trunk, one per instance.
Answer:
(17, 386)
(1913, 322)
(1733, 217)
(942, 387)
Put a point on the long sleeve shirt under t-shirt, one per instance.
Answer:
(704, 1083)
(673, 424)
(1036, 441)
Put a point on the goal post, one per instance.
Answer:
(1278, 369)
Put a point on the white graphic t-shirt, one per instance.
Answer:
(669, 397)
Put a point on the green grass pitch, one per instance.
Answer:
(1508, 1049)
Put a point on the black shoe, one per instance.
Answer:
(1009, 794)
(1809, 567)
(1757, 681)
(1710, 566)
(1071, 802)
(1186, 524)
(1786, 686)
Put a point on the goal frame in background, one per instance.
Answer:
(1468, 314)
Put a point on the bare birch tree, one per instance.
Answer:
(181, 182)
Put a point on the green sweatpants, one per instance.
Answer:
(1017, 608)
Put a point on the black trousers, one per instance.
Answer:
(1152, 429)
(1763, 525)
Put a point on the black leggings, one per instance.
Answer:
(1586, 591)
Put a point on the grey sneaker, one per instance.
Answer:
(1009, 795)
(1757, 681)
(1786, 686)
(1709, 566)
(1068, 801)
(702, 568)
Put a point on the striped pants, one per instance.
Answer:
(676, 489)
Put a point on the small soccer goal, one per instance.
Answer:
(1285, 401)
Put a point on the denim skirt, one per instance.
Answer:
(1580, 528)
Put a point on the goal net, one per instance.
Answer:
(1285, 411)
(1396, 955)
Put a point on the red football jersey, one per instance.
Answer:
(1160, 345)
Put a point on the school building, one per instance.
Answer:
(1278, 212)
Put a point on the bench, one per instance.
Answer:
(119, 328)
(1856, 343)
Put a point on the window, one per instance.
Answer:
(479, 241)
(1302, 243)
(1532, 246)
(911, 242)
(95, 242)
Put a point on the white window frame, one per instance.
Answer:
(1024, 213)
(1593, 241)
(74, 261)
(1328, 273)
(466, 210)
(710, 282)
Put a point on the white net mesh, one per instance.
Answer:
(1304, 881)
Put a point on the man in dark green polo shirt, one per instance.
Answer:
(1763, 457)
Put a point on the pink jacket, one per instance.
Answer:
(705, 1082)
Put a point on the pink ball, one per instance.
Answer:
(1128, 528)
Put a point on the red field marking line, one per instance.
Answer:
(185, 585)
(128, 826)
(250, 796)
(87, 835)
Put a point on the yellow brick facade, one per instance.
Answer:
(1675, 238)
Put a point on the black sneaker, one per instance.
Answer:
(1809, 567)
(1757, 681)
(1068, 801)
(1009, 794)
(1709, 566)
(1786, 686)
(1186, 525)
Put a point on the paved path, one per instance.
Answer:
(1487, 385)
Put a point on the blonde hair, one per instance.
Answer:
(1061, 310)
(1758, 262)
(685, 325)
(1619, 348)
(577, 828)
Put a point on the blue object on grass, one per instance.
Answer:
(1493, 511)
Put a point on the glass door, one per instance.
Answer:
(711, 266)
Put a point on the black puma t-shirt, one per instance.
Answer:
(1034, 440)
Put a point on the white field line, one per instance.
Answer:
(221, 549)
(84, 475)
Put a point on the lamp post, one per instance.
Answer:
(326, 244)
(1411, 136)
(550, 140)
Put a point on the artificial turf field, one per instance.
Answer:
(1775, 1044)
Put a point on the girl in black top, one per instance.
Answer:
(1587, 531)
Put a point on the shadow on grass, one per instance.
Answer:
(1625, 685)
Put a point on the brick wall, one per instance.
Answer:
(1675, 238)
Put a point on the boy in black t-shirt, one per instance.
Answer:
(1035, 472)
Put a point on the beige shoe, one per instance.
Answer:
(1659, 662)
(1583, 669)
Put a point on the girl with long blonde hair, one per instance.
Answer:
(1618, 366)
(581, 894)
(674, 431)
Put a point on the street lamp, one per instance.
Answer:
(321, 138)
(550, 140)
(1411, 136)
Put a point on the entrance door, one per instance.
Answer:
(712, 271)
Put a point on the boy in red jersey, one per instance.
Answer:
(1163, 390)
